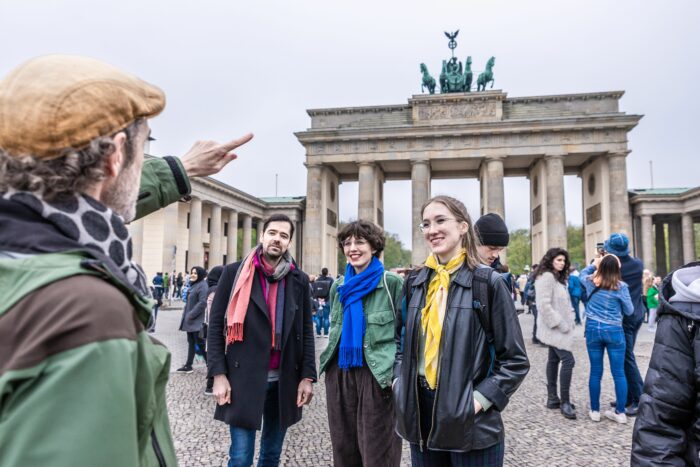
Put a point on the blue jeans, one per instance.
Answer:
(575, 303)
(322, 320)
(243, 440)
(635, 383)
(601, 336)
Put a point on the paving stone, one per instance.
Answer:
(535, 436)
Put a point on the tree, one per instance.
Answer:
(519, 250)
(576, 245)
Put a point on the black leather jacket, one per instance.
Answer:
(463, 368)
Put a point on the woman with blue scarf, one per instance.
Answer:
(359, 359)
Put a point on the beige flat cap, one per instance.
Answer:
(55, 102)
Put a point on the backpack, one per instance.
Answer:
(481, 299)
(321, 287)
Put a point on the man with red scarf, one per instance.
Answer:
(261, 345)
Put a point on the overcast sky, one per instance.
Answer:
(230, 67)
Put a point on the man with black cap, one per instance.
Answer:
(82, 383)
(631, 270)
(494, 238)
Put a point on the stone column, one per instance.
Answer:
(619, 202)
(293, 242)
(313, 236)
(556, 213)
(366, 208)
(136, 231)
(195, 255)
(661, 269)
(232, 239)
(247, 233)
(495, 198)
(420, 194)
(259, 230)
(688, 239)
(675, 244)
(215, 251)
(647, 242)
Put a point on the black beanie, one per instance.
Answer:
(492, 231)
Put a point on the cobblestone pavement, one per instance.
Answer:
(535, 436)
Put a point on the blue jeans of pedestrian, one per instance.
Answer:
(575, 303)
(635, 383)
(599, 337)
(243, 440)
(323, 321)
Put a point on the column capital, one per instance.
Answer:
(554, 156)
(366, 164)
(494, 158)
(313, 165)
(420, 162)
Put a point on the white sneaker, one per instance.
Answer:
(595, 415)
(616, 417)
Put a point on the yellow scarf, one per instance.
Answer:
(433, 315)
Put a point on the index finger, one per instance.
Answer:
(230, 146)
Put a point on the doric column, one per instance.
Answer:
(420, 194)
(293, 242)
(366, 199)
(136, 231)
(259, 230)
(688, 239)
(675, 244)
(619, 202)
(232, 238)
(556, 214)
(247, 233)
(313, 236)
(647, 242)
(495, 198)
(661, 269)
(215, 251)
(195, 255)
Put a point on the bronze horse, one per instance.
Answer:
(428, 81)
(486, 76)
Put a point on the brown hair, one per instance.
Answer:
(366, 230)
(469, 240)
(547, 264)
(607, 276)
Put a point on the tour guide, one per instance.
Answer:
(82, 383)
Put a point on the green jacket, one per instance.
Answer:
(82, 383)
(380, 307)
(653, 297)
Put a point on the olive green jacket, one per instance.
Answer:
(81, 382)
(381, 307)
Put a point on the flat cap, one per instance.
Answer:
(55, 102)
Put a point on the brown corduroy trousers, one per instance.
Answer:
(361, 419)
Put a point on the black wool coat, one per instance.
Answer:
(246, 363)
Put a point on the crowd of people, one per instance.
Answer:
(432, 358)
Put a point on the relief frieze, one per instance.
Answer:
(476, 111)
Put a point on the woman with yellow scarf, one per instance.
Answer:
(462, 355)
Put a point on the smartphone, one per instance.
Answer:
(600, 248)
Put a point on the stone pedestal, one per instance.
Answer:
(420, 194)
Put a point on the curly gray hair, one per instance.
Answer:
(73, 172)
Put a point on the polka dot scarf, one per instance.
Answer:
(91, 224)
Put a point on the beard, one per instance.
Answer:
(274, 254)
(121, 197)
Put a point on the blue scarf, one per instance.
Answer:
(355, 287)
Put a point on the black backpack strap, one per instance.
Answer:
(481, 295)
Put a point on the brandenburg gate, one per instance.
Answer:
(484, 135)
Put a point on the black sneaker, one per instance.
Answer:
(208, 391)
(184, 369)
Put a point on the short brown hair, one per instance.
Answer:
(366, 230)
